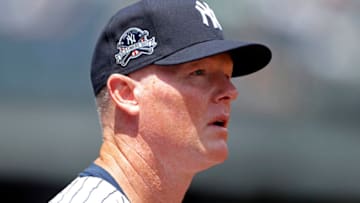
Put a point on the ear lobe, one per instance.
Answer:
(122, 92)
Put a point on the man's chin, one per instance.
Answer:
(221, 157)
(217, 157)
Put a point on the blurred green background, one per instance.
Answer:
(294, 135)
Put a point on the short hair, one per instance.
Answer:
(102, 102)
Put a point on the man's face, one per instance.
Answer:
(185, 109)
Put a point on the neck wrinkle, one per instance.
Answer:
(142, 176)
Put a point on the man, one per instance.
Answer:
(161, 73)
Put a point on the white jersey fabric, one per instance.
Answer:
(90, 189)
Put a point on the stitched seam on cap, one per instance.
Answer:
(145, 6)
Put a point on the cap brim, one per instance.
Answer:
(247, 57)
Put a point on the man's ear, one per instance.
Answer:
(122, 92)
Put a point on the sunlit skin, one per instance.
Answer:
(168, 123)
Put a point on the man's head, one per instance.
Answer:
(164, 70)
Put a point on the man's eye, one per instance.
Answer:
(198, 72)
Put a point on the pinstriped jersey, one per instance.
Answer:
(94, 185)
(90, 190)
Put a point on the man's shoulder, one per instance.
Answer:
(89, 189)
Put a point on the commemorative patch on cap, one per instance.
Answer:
(132, 44)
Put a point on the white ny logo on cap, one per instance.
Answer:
(205, 12)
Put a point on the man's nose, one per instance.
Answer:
(227, 92)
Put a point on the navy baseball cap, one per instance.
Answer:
(167, 32)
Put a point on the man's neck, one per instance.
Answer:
(141, 175)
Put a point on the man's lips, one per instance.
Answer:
(220, 121)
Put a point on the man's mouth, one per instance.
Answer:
(221, 121)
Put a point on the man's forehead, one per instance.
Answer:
(219, 60)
